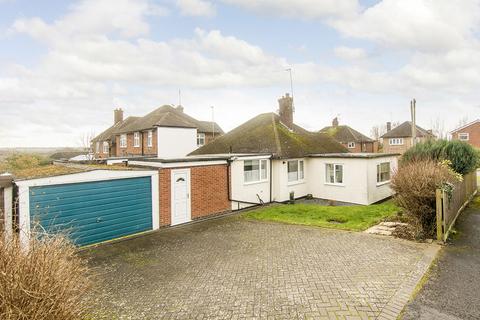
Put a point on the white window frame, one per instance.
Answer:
(465, 135)
(335, 180)
(351, 145)
(200, 139)
(300, 173)
(396, 141)
(262, 171)
(379, 179)
(150, 138)
(123, 141)
(136, 139)
(97, 147)
(105, 147)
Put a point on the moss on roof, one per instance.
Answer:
(266, 134)
(345, 134)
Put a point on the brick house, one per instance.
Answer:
(469, 133)
(350, 138)
(399, 139)
(165, 132)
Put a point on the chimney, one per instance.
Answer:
(117, 115)
(286, 110)
(179, 108)
(335, 122)
(389, 126)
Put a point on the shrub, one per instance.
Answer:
(464, 157)
(47, 281)
(415, 184)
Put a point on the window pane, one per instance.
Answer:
(251, 170)
(301, 172)
(330, 177)
(338, 173)
(264, 169)
(292, 170)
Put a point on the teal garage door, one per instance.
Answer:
(92, 212)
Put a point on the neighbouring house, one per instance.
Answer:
(399, 139)
(166, 132)
(350, 138)
(469, 133)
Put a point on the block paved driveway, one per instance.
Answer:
(233, 268)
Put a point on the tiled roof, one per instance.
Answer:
(267, 135)
(345, 134)
(405, 130)
(109, 134)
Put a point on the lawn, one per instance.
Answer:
(355, 218)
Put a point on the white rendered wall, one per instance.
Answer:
(175, 142)
(380, 191)
(281, 186)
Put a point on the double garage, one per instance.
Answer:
(101, 205)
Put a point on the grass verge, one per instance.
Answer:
(354, 218)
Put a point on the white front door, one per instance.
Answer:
(180, 196)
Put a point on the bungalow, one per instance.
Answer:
(165, 132)
(350, 138)
(267, 159)
(399, 139)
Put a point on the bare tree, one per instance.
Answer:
(379, 130)
(85, 141)
(438, 128)
(463, 121)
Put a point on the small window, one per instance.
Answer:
(463, 136)
(105, 147)
(200, 139)
(396, 141)
(97, 147)
(150, 139)
(334, 173)
(254, 170)
(136, 139)
(383, 172)
(351, 145)
(295, 170)
(123, 141)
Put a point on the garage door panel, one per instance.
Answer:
(91, 212)
(77, 219)
(74, 210)
(60, 198)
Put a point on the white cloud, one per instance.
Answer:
(348, 53)
(426, 25)
(196, 8)
(308, 9)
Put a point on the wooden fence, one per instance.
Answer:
(450, 205)
(6, 203)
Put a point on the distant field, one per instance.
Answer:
(4, 152)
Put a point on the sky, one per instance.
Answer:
(65, 65)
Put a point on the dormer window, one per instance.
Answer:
(200, 139)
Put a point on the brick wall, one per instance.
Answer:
(407, 143)
(137, 151)
(209, 192)
(473, 134)
(368, 147)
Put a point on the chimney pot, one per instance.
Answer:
(117, 115)
(286, 110)
(389, 126)
(179, 108)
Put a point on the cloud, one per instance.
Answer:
(348, 53)
(308, 9)
(196, 8)
(424, 25)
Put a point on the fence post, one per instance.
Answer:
(439, 209)
(7, 208)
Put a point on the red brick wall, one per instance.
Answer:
(473, 132)
(369, 147)
(209, 192)
(131, 150)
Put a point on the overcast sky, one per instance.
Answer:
(65, 65)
